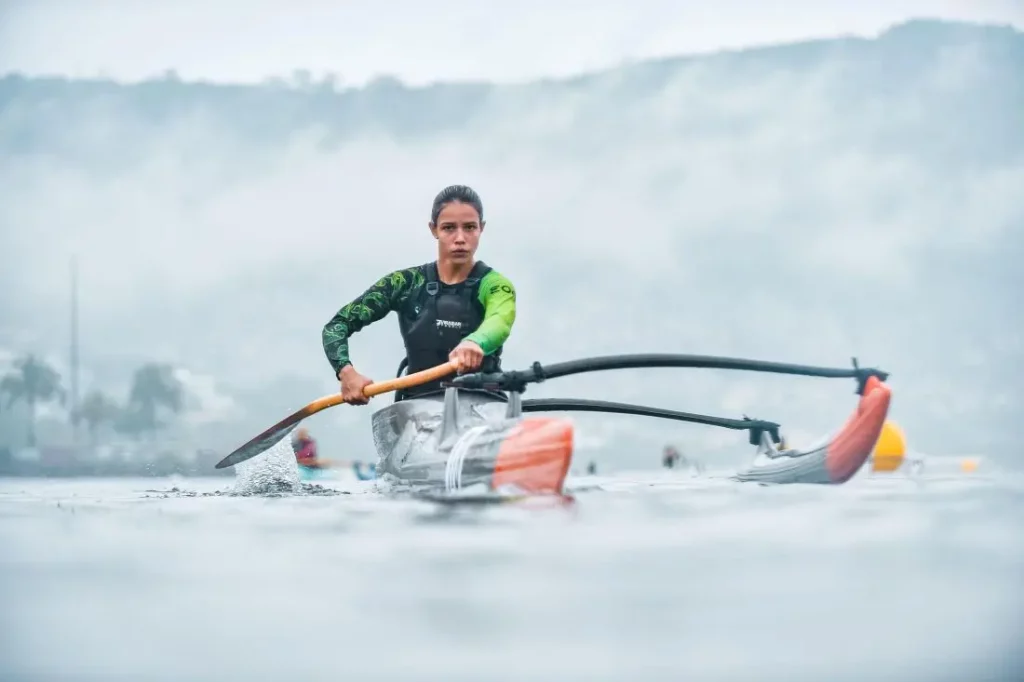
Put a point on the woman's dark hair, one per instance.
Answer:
(460, 193)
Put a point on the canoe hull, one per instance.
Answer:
(469, 440)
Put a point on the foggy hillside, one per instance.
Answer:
(801, 203)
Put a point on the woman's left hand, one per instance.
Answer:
(467, 356)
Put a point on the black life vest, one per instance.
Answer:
(438, 319)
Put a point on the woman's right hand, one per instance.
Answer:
(352, 385)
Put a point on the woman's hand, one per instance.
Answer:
(352, 385)
(467, 356)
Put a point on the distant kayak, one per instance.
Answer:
(356, 471)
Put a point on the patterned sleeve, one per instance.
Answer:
(387, 294)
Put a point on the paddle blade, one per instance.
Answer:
(890, 449)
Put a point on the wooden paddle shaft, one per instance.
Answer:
(370, 390)
(409, 380)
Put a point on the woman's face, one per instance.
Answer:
(457, 231)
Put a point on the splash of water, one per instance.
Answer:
(273, 471)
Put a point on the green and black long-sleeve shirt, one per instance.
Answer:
(390, 293)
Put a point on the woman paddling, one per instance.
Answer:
(453, 309)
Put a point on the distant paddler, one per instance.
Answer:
(305, 450)
(453, 309)
(671, 458)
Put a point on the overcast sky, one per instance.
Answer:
(224, 248)
(247, 40)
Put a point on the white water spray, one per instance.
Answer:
(274, 470)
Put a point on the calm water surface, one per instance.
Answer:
(649, 576)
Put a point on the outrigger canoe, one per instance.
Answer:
(476, 437)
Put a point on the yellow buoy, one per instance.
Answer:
(968, 465)
(890, 448)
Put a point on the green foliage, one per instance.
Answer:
(32, 382)
(154, 389)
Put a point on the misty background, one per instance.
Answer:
(805, 202)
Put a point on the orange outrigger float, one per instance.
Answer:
(474, 439)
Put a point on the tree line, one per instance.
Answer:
(154, 389)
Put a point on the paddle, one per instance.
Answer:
(281, 429)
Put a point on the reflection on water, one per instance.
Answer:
(667, 577)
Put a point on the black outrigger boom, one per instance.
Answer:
(756, 427)
(517, 380)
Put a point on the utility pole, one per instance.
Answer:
(74, 348)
